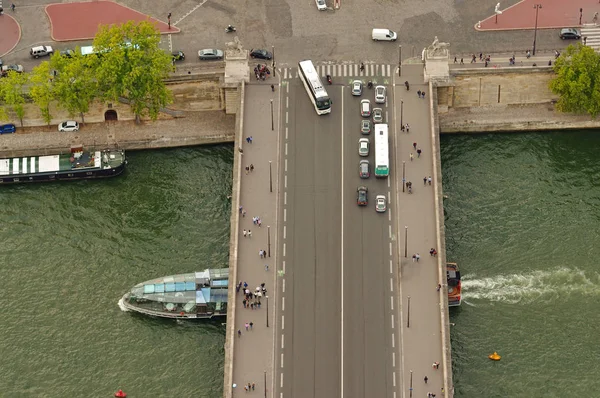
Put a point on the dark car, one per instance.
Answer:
(67, 53)
(261, 54)
(364, 169)
(7, 128)
(361, 196)
(178, 55)
(570, 33)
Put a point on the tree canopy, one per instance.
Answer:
(577, 80)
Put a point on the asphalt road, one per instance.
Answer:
(340, 335)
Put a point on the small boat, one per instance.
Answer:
(76, 165)
(454, 288)
(197, 295)
(120, 394)
(494, 356)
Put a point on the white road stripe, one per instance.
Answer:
(391, 285)
(284, 231)
(287, 117)
(282, 322)
(391, 267)
(393, 340)
(284, 250)
(393, 323)
(392, 302)
(284, 215)
(285, 199)
(282, 345)
(394, 380)
(281, 381)
(285, 182)
(283, 267)
(283, 288)
(286, 149)
(286, 132)
(390, 242)
(393, 359)
(282, 304)
(285, 164)
(281, 363)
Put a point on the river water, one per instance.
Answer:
(71, 250)
(521, 218)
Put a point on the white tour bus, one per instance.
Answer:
(314, 87)
(382, 158)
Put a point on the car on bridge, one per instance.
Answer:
(363, 147)
(377, 115)
(41, 51)
(209, 54)
(261, 54)
(380, 95)
(364, 169)
(357, 88)
(380, 204)
(365, 126)
(321, 6)
(365, 108)
(570, 33)
(362, 196)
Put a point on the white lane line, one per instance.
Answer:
(282, 304)
(284, 232)
(286, 117)
(394, 380)
(286, 149)
(282, 345)
(390, 242)
(287, 102)
(394, 359)
(281, 381)
(281, 362)
(285, 163)
(391, 285)
(283, 286)
(284, 215)
(286, 133)
(285, 198)
(342, 258)
(391, 267)
(390, 234)
(392, 321)
(392, 302)
(393, 341)
(191, 11)
(284, 250)
(285, 181)
(283, 323)
(284, 267)
(389, 215)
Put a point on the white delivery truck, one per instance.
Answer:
(384, 34)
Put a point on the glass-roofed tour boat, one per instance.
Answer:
(196, 295)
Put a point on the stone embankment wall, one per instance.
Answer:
(504, 99)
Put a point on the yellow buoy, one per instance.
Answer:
(494, 356)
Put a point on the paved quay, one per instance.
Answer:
(196, 128)
(424, 309)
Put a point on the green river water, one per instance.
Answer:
(521, 220)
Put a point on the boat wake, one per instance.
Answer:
(122, 306)
(544, 286)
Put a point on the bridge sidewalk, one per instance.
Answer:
(421, 324)
(253, 352)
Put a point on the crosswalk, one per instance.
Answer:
(592, 35)
(342, 70)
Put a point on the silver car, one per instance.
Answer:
(380, 95)
(69, 125)
(365, 126)
(377, 115)
(363, 147)
(364, 169)
(209, 53)
(365, 108)
(357, 88)
(380, 204)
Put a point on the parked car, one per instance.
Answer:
(7, 128)
(41, 51)
(380, 203)
(1, 63)
(380, 95)
(178, 55)
(570, 33)
(361, 196)
(365, 126)
(209, 54)
(365, 108)
(377, 115)
(67, 53)
(69, 125)
(357, 88)
(363, 147)
(261, 54)
(14, 68)
(364, 169)
(321, 6)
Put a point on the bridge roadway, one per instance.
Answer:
(341, 313)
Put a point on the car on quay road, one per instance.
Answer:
(321, 5)
(13, 68)
(209, 54)
(68, 53)
(570, 33)
(41, 51)
(363, 147)
(362, 196)
(261, 54)
(365, 126)
(365, 108)
(68, 125)
(7, 128)
(377, 115)
(380, 95)
(357, 88)
(380, 204)
(178, 55)
(364, 169)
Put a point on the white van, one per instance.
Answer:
(384, 34)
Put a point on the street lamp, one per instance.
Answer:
(403, 178)
(411, 385)
(270, 179)
(497, 11)
(273, 126)
(273, 55)
(537, 9)
(269, 240)
(267, 297)
(401, 112)
(405, 241)
(408, 316)
(580, 15)
(399, 60)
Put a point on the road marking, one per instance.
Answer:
(284, 267)
(389, 215)
(391, 267)
(390, 244)
(391, 285)
(282, 304)
(286, 147)
(284, 215)
(284, 231)
(170, 38)
(282, 345)
(281, 382)
(191, 11)
(283, 287)
(389, 182)
(284, 252)
(286, 117)
(285, 198)
(386, 115)
(282, 323)
(342, 258)
(394, 359)
(287, 102)
(394, 380)
(285, 181)
(285, 164)
(393, 340)
(392, 302)
(392, 321)
(286, 133)
(282, 362)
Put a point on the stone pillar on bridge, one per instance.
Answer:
(436, 58)
(236, 63)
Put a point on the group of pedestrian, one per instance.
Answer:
(252, 299)
(416, 257)
(405, 127)
(427, 180)
(249, 139)
(247, 233)
(262, 72)
(257, 221)
(433, 252)
(262, 253)
(250, 387)
(462, 61)
(409, 185)
(421, 94)
(249, 169)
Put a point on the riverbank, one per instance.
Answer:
(195, 128)
(512, 118)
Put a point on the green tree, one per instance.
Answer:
(12, 88)
(75, 85)
(577, 80)
(42, 89)
(132, 65)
